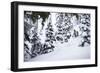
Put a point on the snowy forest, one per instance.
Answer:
(56, 36)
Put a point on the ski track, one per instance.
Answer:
(65, 51)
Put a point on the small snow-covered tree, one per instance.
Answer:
(59, 25)
(67, 26)
(50, 38)
(85, 29)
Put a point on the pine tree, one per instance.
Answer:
(66, 27)
(59, 25)
(85, 21)
(48, 46)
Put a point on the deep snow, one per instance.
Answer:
(66, 51)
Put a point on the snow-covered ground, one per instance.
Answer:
(66, 51)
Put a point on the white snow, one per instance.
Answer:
(29, 45)
(66, 51)
(53, 21)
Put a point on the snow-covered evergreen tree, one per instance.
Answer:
(67, 27)
(50, 38)
(59, 25)
(64, 27)
(41, 31)
(85, 29)
(27, 45)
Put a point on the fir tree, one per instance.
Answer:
(59, 25)
(85, 29)
(48, 46)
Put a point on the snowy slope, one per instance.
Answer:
(66, 51)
